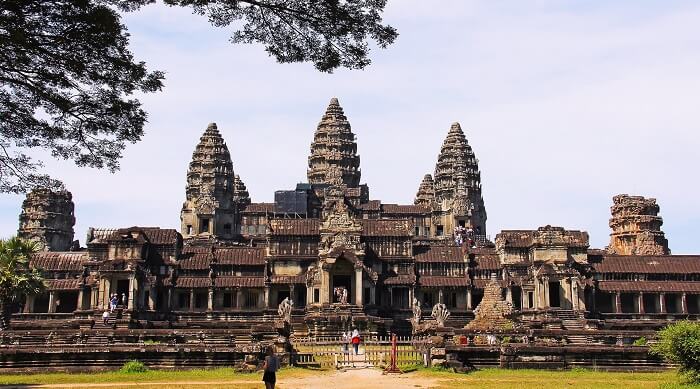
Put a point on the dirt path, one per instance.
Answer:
(351, 379)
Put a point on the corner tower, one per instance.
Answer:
(334, 150)
(47, 218)
(458, 183)
(209, 208)
(636, 227)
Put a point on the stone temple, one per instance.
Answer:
(343, 259)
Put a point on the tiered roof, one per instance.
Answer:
(334, 150)
(210, 172)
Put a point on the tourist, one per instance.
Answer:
(270, 367)
(105, 317)
(345, 340)
(356, 341)
(344, 296)
(113, 303)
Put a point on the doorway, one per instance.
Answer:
(123, 292)
(342, 281)
(554, 300)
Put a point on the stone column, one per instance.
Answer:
(391, 296)
(325, 291)
(358, 286)
(170, 299)
(79, 305)
(509, 295)
(191, 300)
(130, 300)
(618, 303)
(266, 297)
(640, 299)
(292, 296)
(411, 294)
(537, 295)
(469, 299)
(29, 304)
(545, 283)
(95, 297)
(574, 295)
(152, 298)
(52, 301)
(684, 303)
(239, 298)
(210, 302)
(441, 296)
(662, 303)
(373, 295)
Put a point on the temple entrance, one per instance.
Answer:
(123, 292)
(342, 279)
(554, 295)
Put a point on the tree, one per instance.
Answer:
(680, 343)
(16, 277)
(67, 77)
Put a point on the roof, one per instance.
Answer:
(244, 282)
(193, 282)
(487, 262)
(385, 227)
(64, 284)
(439, 254)
(544, 236)
(154, 235)
(99, 235)
(671, 264)
(372, 205)
(161, 236)
(305, 227)
(59, 261)
(200, 257)
(411, 209)
(434, 281)
(400, 279)
(649, 286)
(259, 208)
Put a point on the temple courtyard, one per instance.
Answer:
(362, 378)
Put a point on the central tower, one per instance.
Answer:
(334, 150)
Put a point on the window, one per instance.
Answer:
(251, 299)
(189, 229)
(203, 225)
(427, 231)
(183, 300)
(227, 228)
(417, 231)
(452, 300)
(317, 295)
(440, 231)
(366, 296)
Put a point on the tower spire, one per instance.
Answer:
(334, 149)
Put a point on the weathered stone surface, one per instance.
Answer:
(493, 313)
(636, 227)
(47, 218)
(426, 192)
(334, 156)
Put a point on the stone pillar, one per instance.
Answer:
(618, 303)
(191, 300)
(170, 299)
(373, 295)
(239, 298)
(79, 305)
(52, 301)
(152, 298)
(640, 303)
(662, 303)
(95, 298)
(684, 303)
(469, 299)
(292, 296)
(509, 295)
(267, 296)
(391, 296)
(441, 296)
(545, 283)
(210, 302)
(325, 291)
(131, 298)
(537, 295)
(574, 295)
(29, 304)
(358, 286)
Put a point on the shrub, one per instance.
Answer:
(134, 367)
(640, 341)
(680, 343)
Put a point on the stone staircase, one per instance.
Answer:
(572, 321)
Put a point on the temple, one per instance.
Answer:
(341, 259)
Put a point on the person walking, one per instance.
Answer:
(113, 303)
(105, 318)
(356, 341)
(270, 367)
(346, 340)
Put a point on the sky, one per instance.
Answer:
(565, 103)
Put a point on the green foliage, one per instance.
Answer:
(151, 341)
(680, 343)
(17, 279)
(640, 341)
(134, 367)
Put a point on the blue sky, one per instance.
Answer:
(566, 103)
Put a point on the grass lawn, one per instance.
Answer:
(225, 376)
(579, 378)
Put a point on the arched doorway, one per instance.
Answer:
(342, 275)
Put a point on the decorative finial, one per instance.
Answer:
(334, 101)
(211, 126)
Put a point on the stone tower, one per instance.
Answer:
(636, 227)
(209, 208)
(47, 218)
(240, 191)
(334, 145)
(458, 183)
(426, 192)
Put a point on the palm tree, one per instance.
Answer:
(16, 278)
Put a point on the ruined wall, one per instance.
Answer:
(636, 227)
(47, 218)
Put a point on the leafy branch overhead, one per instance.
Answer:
(67, 77)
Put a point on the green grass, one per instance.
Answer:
(577, 378)
(196, 375)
